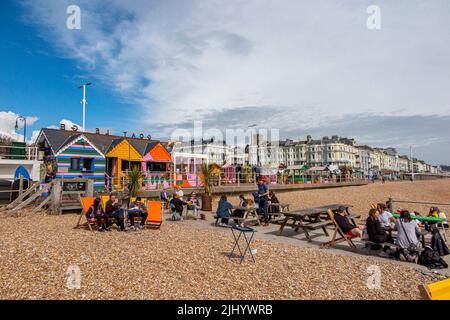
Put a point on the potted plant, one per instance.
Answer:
(206, 177)
(134, 177)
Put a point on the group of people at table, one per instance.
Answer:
(381, 223)
(263, 202)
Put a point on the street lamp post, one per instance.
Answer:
(251, 143)
(84, 102)
(24, 119)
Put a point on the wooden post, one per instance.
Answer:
(89, 188)
(391, 204)
(20, 185)
(56, 198)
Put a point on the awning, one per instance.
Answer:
(318, 168)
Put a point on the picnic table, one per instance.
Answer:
(250, 216)
(312, 219)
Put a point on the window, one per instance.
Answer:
(192, 167)
(75, 164)
(88, 164)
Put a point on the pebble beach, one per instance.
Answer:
(183, 261)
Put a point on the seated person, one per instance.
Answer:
(348, 228)
(256, 201)
(436, 213)
(114, 211)
(376, 232)
(387, 220)
(223, 210)
(176, 204)
(240, 212)
(273, 199)
(96, 212)
(137, 209)
(164, 197)
(408, 233)
(193, 203)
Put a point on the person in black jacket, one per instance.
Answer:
(176, 204)
(114, 211)
(376, 232)
(273, 200)
(348, 228)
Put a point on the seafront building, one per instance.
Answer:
(336, 151)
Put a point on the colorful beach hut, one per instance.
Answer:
(156, 165)
(72, 155)
(186, 172)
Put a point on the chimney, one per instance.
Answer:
(308, 138)
(97, 130)
(107, 132)
(62, 127)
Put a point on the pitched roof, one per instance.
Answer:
(59, 138)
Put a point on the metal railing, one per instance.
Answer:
(19, 153)
(160, 180)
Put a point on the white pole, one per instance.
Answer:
(84, 106)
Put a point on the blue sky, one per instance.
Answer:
(37, 81)
(303, 67)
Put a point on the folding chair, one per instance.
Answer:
(338, 230)
(154, 211)
(436, 291)
(86, 203)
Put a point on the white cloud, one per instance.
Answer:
(176, 57)
(70, 124)
(8, 123)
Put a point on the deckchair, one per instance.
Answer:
(154, 210)
(104, 201)
(436, 291)
(338, 230)
(86, 202)
(106, 198)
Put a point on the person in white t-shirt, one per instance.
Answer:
(387, 220)
(179, 192)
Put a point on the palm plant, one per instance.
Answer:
(134, 177)
(206, 177)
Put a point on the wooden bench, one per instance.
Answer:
(240, 219)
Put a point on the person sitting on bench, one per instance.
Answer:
(240, 212)
(348, 228)
(176, 204)
(137, 209)
(164, 197)
(387, 220)
(223, 210)
(273, 199)
(376, 232)
(436, 213)
(96, 212)
(408, 233)
(114, 211)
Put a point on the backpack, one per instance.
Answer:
(431, 259)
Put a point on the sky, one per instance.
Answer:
(303, 67)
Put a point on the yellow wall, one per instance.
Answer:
(124, 151)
